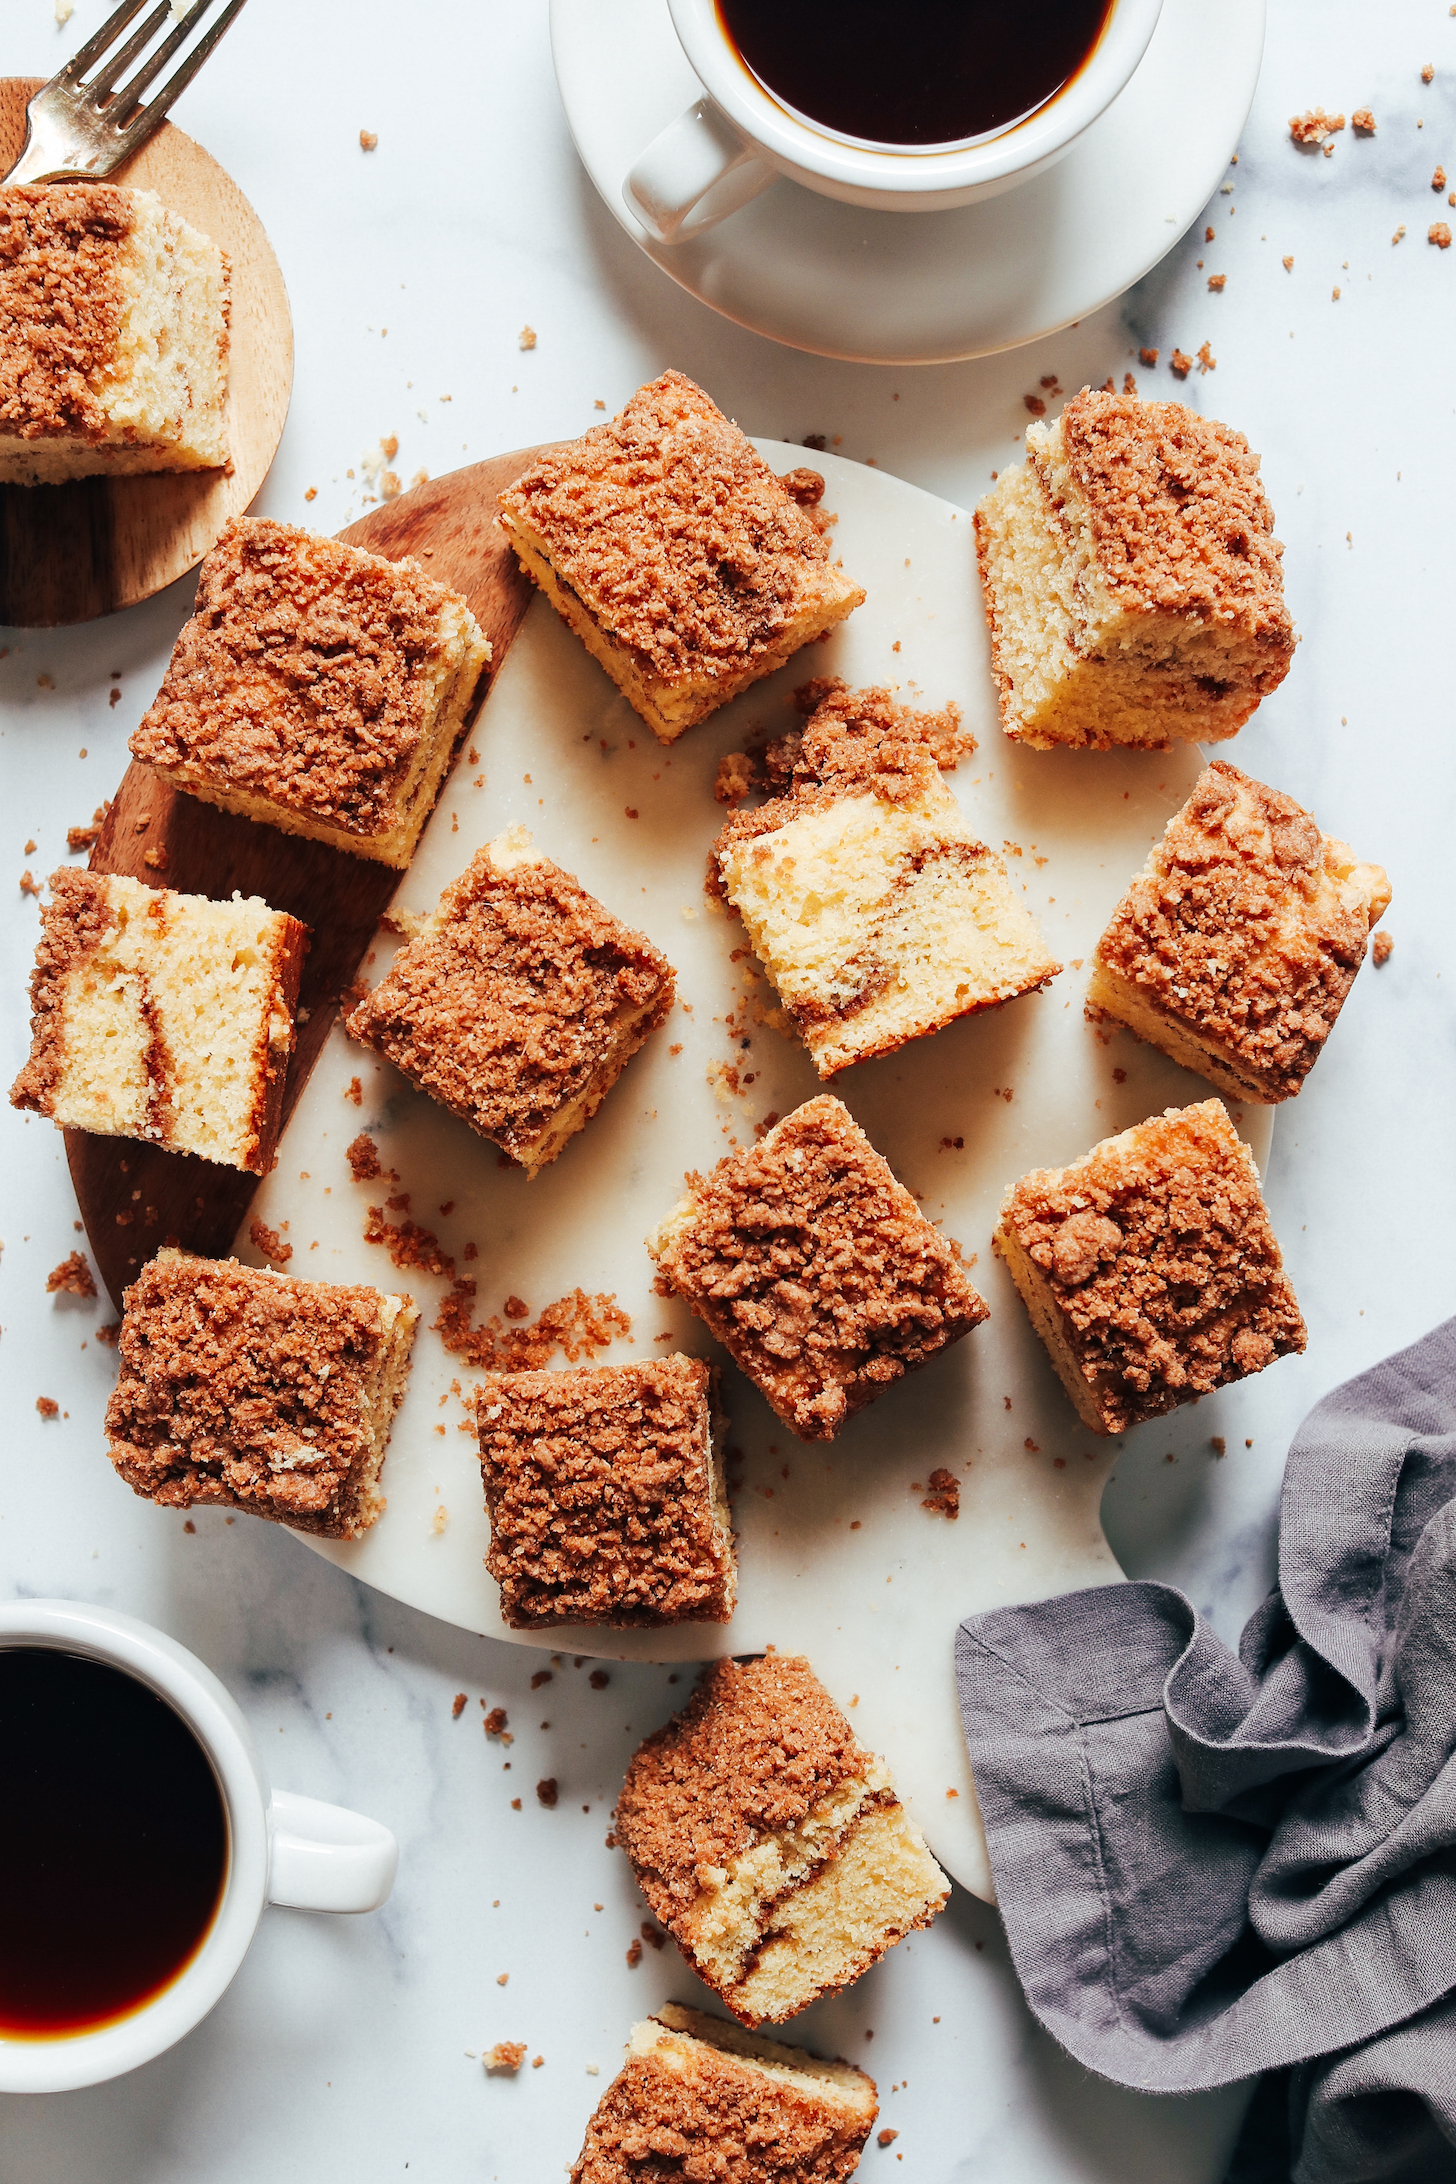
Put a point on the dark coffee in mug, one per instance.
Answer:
(113, 1844)
(918, 72)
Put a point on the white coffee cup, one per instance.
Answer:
(281, 1848)
(737, 140)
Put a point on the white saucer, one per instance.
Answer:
(838, 1559)
(932, 287)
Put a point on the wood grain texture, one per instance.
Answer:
(134, 1196)
(71, 552)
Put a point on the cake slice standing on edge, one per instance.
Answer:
(1131, 578)
(1235, 947)
(257, 1391)
(317, 687)
(1149, 1268)
(519, 1003)
(874, 908)
(604, 1486)
(684, 565)
(770, 1843)
(113, 336)
(162, 1016)
(747, 2110)
(815, 1268)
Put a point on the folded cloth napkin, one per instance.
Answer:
(1213, 1866)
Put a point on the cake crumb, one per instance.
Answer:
(109, 1335)
(1381, 948)
(1428, 73)
(537, 2061)
(737, 777)
(73, 1276)
(944, 1499)
(1218, 282)
(502, 1979)
(29, 884)
(546, 1792)
(1362, 121)
(1207, 361)
(1316, 127)
(368, 140)
(269, 1243)
(495, 1724)
(652, 1935)
(1289, 264)
(634, 1955)
(1440, 235)
(442, 1515)
(887, 2137)
(1035, 404)
(1438, 179)
(355, 1092)
(1395, 238)
(1218, 1444)
(1148, 357)
(526, 339)
(1180, 363)
(363, 1155)
(542, 1675)
(599, 1679)
(457, 1706)
(311, 494)
(47, 1406)
(505, 2058)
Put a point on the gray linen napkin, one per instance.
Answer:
(1213, 1866)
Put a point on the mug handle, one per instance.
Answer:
(325, 1858)
(698, 157)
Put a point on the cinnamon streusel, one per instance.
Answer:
(687, 569)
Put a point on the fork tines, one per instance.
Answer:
(122, 109)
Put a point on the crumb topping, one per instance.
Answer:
(1240, 926)
(245, 1388)
(307, 674)
(1179, 517)
(506, 1007)
(1161, 1261)
(60, 304)
(598, 1487)
(73, 1277)
(854, 742)
(721, 2119)
(674, 533)
(817, 1269)
(756, 1748)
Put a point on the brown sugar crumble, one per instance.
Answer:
(1362, 121)
(505, 2058)
(634, 1955)
(47, 1406)
(546, 1792)
(73, 1276)
(1314, 129)
(815, 1268)
(944, 1498)
(269, 1243)
(1439, 234)
(1381, 948)
(363, 1157)
(604, 1500)
(457, 1706)
(1149, 357)
(1180, 363)
(355, 1092)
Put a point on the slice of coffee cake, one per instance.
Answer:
(684, 565)
(815, 1268)
(1131, 578)
(1237, 944)
(317, 687)
(113, 336)
(770, 1843)
(697, 2096)
(1150, 1269)
(162, 1016)
(604, 1487)
(874, 908)
(519, 1003)
(257, 1391)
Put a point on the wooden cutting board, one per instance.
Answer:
(71, 552)
(134, 1196)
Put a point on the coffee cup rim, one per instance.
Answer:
(795, 142)
(62, 2062)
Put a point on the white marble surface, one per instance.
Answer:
(341, 2050)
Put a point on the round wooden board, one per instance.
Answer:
(71, 552)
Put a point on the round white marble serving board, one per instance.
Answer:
(926, 287)
(837, 1557)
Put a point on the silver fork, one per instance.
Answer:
(80, 128)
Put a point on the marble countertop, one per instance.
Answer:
(349, 2048)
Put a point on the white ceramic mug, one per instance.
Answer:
(281, 1848)
(739, 138)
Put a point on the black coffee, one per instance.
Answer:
(113, 1843)
(920, 72)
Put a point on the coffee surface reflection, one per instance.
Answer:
(918, 72)
(113, 1844)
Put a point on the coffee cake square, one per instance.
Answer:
(686, 567)
(815, 1268)
(113, 336)
(1235, 947)
(604, 1487)
(874, 908)
(1150, 1269)
(1131, 578)
(696, 2090)
(519, 1003)
(258, 1392)
(770, 1843)
(163, 1016)
(317, 687)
